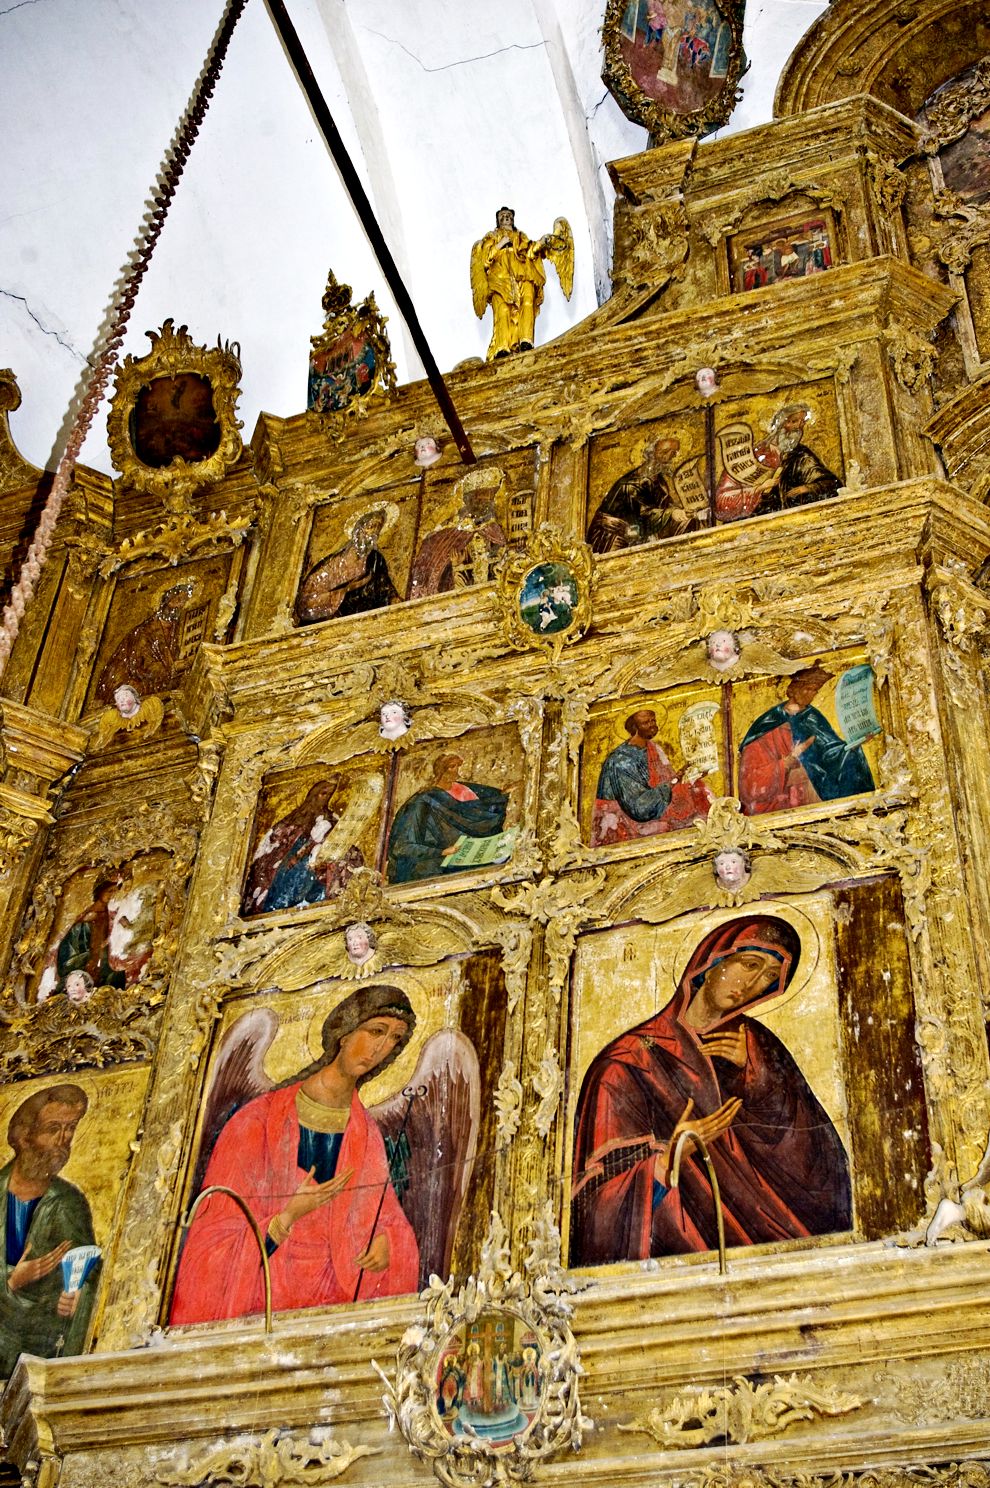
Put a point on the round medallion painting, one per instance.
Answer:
(489, 1377)
(548, 598)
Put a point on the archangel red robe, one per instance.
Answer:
(781, 1168)
(257, 1155)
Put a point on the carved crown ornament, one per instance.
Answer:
(172, 426)
(486, 1387)
(350, 361)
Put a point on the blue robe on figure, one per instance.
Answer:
(433, 819)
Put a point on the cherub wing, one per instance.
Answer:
(363, 799)
(479, 281)
(433, 1157)
(560, 252)
(238, 1076)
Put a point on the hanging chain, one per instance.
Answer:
(111, 341)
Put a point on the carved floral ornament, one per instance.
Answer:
(278, 1459)
(172, 426)
(456, 1398)
(743, 1411)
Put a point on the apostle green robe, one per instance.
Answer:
(29, 1320)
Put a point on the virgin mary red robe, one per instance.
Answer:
(257, 1155)
(781, 1168)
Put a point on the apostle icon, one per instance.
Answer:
(48, 1267)
(154, 653)
(355, 577)
(640, 506)
(639, 794)
(776, 474)
(792, 756)
(462, 551)
(449, 826)
(302, 858)
(704, 1063)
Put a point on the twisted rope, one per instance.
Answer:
(120, 313)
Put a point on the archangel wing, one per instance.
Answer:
(432, 1158)
(238, 1076)
(561, 254)
(479, 282)
(363, 799)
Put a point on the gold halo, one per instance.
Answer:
(798, 920)
(381, 1086)
(388, 510)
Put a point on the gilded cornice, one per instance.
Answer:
(155, 1396)
(304, 673)
(583, 382)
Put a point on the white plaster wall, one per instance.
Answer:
(449, 107)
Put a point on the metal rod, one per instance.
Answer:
(365, 211)
(410, 1095)
(690, 1135)
(710, 461)
(218, 1188)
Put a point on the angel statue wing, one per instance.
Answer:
(560, 252)
(432, 1157)
(362, 801)
(238, 1076)
(479, 280)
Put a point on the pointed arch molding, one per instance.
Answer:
(898, 52)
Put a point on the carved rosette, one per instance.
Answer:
(474, 1445)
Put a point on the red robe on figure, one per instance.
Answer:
(781, 1167)
(256, 1155)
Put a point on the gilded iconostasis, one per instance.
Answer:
(521, 922)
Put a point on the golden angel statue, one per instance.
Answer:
(507, 273)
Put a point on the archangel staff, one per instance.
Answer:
(410, 1095)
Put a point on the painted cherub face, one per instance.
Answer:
(79, 987)
(394, 719)
(706, 381)
(126, 700)
(723, 649)
(359, 941)
(732, 868)
(427, 452)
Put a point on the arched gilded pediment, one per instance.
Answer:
(895, 52)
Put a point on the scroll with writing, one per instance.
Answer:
(689, 486)
(854, 706)
(739, 459)
(478, 852)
